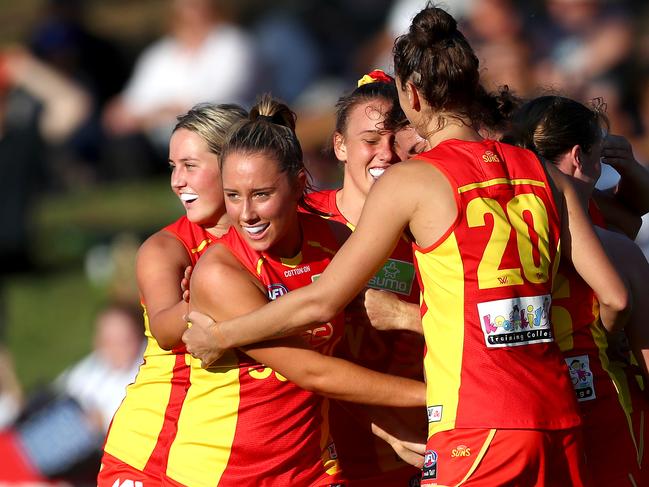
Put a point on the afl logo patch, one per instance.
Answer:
(276, 290)
(429, 471)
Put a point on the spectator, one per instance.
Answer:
(62, 39)
(584, 41)
(39, 108)
(59, 434)
(202, 59)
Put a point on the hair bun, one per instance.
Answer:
(432, 25)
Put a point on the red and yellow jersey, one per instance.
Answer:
(611, 403)
(243, 424)
(491, 360)
(361, 454)
(145, 423)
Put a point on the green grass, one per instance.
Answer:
(50, 311)
(50, 319)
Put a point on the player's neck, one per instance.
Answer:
(449, 128)
(350, 201)
(221, 227)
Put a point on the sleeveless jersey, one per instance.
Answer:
(145, 423)
(611, 403)
(491, 360)
(244, 424)
(362, 455)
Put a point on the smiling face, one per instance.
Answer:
(196, 178)
(366, 148)
(261, 202)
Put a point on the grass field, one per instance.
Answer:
(50, 310)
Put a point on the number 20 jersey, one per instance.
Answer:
(491, 359)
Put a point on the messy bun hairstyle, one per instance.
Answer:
(270, 130)
(437, 58)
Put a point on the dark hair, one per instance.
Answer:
(270, 130)
(365, 93)
(437, 58)
(551, 125)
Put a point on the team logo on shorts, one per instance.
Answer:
(461, 451)
(276, 290)
(429, 472)
(581, 377)
(415, 481)
(517, 321)
(396, 276)
(434, 414)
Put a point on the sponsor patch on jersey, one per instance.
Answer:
(434, 413)
(517, 321)
(429, 472)
(581, 377)
(276, 290)
(296, 271)
(396, 276)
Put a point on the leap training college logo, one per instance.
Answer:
(582, 377)
(517, 321)
(396, 276)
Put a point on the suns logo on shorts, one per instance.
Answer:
(461, 451)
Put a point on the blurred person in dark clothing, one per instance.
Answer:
(62, 39)
(39, 109)
(583, 41)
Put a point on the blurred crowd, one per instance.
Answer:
(56, 431)
(79, 108)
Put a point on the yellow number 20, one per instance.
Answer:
(490, 275)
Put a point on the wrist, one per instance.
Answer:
(402, 317)
(221, 336)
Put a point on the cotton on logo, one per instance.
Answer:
(128, 483)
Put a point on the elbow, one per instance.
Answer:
(321, 309)
(621, 301)
(616, 310)
(163, 342)
(167, 346)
